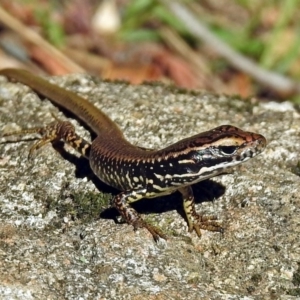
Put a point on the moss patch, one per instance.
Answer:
(81, 207)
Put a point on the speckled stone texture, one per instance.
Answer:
(54, 245)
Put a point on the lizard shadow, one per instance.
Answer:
(204, 191)
(207, 190)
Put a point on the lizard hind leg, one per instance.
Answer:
(55, 131)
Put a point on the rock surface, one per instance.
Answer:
(59, 240)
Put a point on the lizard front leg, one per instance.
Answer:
(130, 215)
(195, 220)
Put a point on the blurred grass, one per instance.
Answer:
(255, 36)
(269, 32)
(266, 31)
(42, 14)
(141, 18)
(53, 30)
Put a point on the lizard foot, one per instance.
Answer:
(207, 223)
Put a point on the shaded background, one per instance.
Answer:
(148, 40)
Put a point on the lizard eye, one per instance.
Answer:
(227, 150)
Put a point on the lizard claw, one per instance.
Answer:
(207, 223)
(156, 232)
